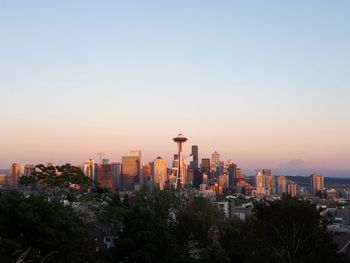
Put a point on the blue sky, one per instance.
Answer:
(262, 82)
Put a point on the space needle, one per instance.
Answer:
(180, 140)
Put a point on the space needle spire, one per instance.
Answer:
(180, 140)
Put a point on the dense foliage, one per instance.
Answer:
(40, 229)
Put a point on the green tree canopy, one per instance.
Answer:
(283, 231)
(46, 228)
(65, 180)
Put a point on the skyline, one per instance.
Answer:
(261, 83)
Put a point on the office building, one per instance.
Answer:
(195, 158)
(15, 174)
(130, 172)
(223, 181)
(292, 189)
(89, 169)
(160, 173)
(316, 184)
(105, 177)
(215, 158)
(215, 163)
(260, 183)
(116, 170)
(281, 185)
(205, 167)
(269, 180)
(231, 171)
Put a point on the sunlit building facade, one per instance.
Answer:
(160, 172)
(130, 172)
(316, 183)
(281, 185)
(15, 173)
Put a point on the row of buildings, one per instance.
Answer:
(208, 174)
(211, 174)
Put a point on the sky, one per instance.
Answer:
(261, 82)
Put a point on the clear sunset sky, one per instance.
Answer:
(261, 82)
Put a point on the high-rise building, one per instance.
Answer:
(181, 179)
(136, 153)
(89, 169)
(267, 172)
(197, 178)
(215, 158)
(105, 177)
(147, 175)
(316, 183)
(232, 170)
(239, 175)
(281, 185)
(15, 174)
(21, 169)
(223, 181)
(130, 172)
(146, 170)
(260, 183)
(205, 166)
(116, 169)
(269, 182)
(160, 172)
(194, 154)
(292, 189)
(140, 177)
(28, 169)
(215, 163)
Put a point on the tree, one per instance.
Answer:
(195, 221)
(148, 233)
(290, 231)
(42, 229)
(62, 182)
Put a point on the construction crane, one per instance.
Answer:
(101, 154)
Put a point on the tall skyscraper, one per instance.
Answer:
(215, 163)
(269, 180)
(146, 170)
(160, 172)
(215, 158)
(316, 183)
(136, 153)
(223, 181)
(205, 165)
(130, 172)
(15, 174)
(231, 170)
(281, 185)
(292, 189)
(260, 183)
(194, 154)
(140, 178)
(239, 175)
(181, 180)
(146, 174)
(105, 177)
(116, 169)
(89, 169)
